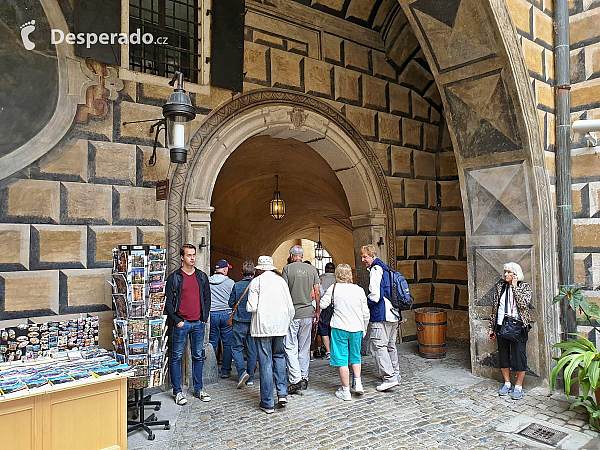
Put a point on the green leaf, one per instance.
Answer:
(594, 374)
(561, 363)
(573, 365)
(585, 385)
(584, 404)
(593, 310)
(561, 294)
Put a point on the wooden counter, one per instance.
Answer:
(88, 414)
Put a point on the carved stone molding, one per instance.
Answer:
(246, 103)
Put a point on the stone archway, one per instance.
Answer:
(278, 113)
(474, 54)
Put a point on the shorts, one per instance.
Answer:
(324, 329)
(345, 347)
(515, 351)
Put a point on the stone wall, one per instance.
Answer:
(386, 89)
(61, 217)
(585, 104)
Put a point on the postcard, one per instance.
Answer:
(157, 255)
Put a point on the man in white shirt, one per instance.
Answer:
(384, 319)
(270, 303)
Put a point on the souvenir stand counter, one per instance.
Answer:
(140, 337)
(63, 400)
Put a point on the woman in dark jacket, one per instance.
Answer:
(512, 297)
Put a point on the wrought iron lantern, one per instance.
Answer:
(319, 248)
(277, 205)
(178, 114)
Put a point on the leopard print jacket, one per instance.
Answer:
(522, 295)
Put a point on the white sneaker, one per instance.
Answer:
(180, 399)
(387, 385)
(357, 387)
(343, 395)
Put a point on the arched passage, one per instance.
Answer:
(505, 190)
(278, 114)
(242, 229)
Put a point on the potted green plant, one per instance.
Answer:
(580, 357)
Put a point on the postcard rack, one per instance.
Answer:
(140, 331)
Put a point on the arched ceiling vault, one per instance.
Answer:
(313, 195)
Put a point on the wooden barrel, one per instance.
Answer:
(431, 332)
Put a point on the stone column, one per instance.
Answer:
(198, 228)
(367, 229)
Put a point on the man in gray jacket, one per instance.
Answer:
(220, 290)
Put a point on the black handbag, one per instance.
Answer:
(327, 313)
(511, 328)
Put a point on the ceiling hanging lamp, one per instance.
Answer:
(277, 205)
(319, 248)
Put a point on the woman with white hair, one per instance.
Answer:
(510, 323)
(348, 325)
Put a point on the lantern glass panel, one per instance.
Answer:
(179, 132)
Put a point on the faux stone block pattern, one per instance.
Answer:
(14, 241)
(58, 246)
(34, 201)
(29, 291)
(401, 160)
(83, 203)
(87, 289)
(102, 241)
(318, 78)
(70, 163)
(363, 119)
(286, 70)
(347, 86)
(137, 206)
(113, 163)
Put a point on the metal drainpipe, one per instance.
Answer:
(563, 163)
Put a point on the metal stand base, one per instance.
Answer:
(139, 421)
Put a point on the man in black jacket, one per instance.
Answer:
(188, 308)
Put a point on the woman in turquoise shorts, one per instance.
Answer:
(348, 325)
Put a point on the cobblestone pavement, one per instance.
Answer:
(439, 405)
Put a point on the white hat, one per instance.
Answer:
(265, 263)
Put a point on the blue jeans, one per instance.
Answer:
(241, 334)
(220, 329)
(179, 337)
(271, 363)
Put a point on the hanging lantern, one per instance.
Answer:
(277, 205)
(319, 248)
(179, 113)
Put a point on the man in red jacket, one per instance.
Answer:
(188, 307)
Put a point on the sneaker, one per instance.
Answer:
(268, 410)
(250, 383)
(180, 399)
(504, 390)
(225, 375)
(282, 400)
(294, 389)
(303, 384)
(357, 387)
(517, 394)
(328, 355)
(202, 395)
(343, 395)
(312, 358)
(242, 380)
(387, 385)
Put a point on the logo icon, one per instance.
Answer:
(26, 29)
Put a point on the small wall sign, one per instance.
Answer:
(162, 190)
